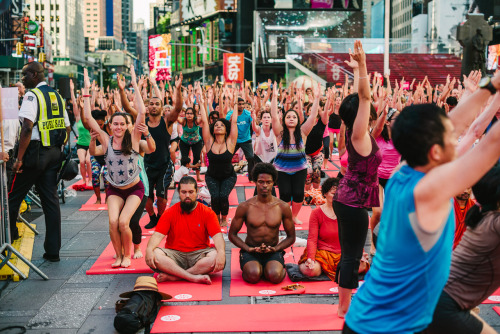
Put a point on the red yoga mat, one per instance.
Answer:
(247, 318)
(332, 173)
(494, 298)
(91, 206)
(230, 217)
(332, 167)
(304, 214)
(241, 288)
(233, 197)
(496, 309)
(80, 186)
(242, 181)
(183, 291)
(102, 265)
(143, 222)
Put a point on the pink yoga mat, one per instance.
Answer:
(494, 298)
(233, 198)
(183, 291)
(332, 167)
(496, 309)
(247, 318)
(91, 206)
(332, 173)
(241, 288)
(102, 265)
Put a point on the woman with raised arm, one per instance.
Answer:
(358, 189)
(126, 190)
(83, 141)
(191, 138)
(220, 142)
(291, 161)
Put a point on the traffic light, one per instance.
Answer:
(19, 48)
(41, 57)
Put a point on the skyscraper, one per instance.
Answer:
(64, 22)
(94, 21)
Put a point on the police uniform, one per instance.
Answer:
(42, 161)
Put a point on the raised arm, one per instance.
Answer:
(277, 126)
(174, 113)
(76, 109)
(233, 135)
(360, 136)
(309, 124)
(123, 97)
(139, 103)
(205, 130)
(255, 112)
(479, 125)
(467, 109)
(103, 136)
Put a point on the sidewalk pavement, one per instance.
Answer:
(72, 302)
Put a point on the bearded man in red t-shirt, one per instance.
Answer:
(187, 254)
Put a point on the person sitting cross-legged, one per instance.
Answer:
(187, 225)
(261, 254)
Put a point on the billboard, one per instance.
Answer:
(234, 67)
(160, 56)
(493, 56)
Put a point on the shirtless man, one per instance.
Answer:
(261, 253)
(187, 254)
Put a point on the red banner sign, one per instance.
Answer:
(234, 67)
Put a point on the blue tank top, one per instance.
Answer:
(403, 285)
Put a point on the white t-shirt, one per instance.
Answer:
(29, 110)
(266, 148)
(180, 173)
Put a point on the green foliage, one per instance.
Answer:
(162, 24)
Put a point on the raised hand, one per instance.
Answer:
(86, 79)
(71, 85)
(351, 62)
(121, 81)
(143, 128)
(133, 77)
(359, 54)
(178, 81)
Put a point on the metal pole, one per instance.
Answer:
(387, 17)
(100, 74)
(203, 54)
(254, 71)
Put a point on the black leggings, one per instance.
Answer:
(219, 193)
(326, 147)
(353, 226)
(196, 148)
(134, 221)
(292, 186)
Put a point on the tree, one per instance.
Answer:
(163, 23)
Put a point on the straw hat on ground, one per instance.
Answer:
(145, 283)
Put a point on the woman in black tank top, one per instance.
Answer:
(220, 142)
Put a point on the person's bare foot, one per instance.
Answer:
(340, 314)
(199, 179)
(138, 253)
(163, 277)
(98, 201)
(126, 261)
(118, 261)
(297, 221)
(223, 222)
(203, 279)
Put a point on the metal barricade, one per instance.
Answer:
(6, 248)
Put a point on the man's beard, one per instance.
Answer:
(187, 206)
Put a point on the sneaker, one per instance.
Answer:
(51, 258)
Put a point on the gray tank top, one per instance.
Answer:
(122, 169)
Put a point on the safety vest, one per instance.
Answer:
(51, 108)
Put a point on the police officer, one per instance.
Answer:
(45, 129)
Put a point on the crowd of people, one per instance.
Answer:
(404, 153)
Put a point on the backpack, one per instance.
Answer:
(137, 312)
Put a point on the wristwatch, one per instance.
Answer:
(486, 83)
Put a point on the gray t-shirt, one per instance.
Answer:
(122, 169)
(475, 265)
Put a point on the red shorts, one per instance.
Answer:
(137, 190)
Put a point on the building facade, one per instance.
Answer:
(94, 21)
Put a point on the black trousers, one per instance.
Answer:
(44, 177)
(353, 226)
(248, 152)
(134, 221)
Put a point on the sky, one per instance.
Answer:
(141, 11)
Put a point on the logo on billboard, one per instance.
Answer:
(234, 67)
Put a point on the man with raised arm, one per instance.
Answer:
(415, 240)
(261, 254)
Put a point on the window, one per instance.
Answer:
(57, 6)
(36, 6)
(57, 30)
(51, 7)
(43, 6)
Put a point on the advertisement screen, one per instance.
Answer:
(493, 53)
(160, 56)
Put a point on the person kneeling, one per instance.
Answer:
(322, 253)
(187, 225)
(261, 254)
